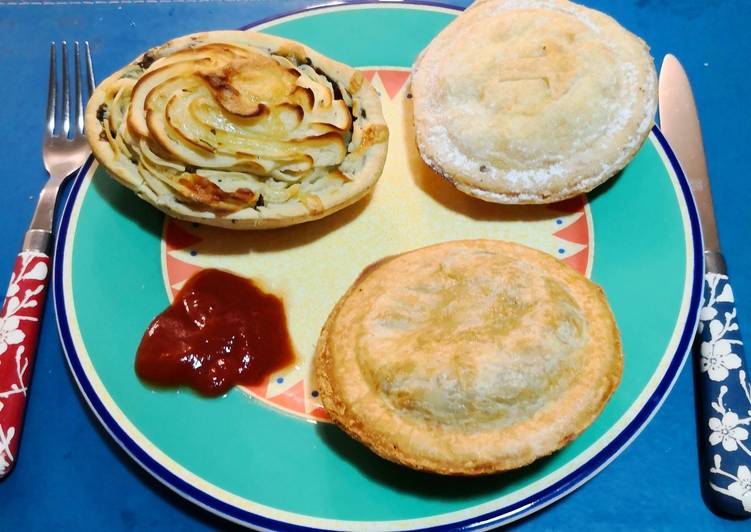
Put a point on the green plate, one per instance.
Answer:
(266, 456)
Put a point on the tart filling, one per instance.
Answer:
(236, 126)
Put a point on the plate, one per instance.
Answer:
(266, 456)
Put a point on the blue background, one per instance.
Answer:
(70, 473)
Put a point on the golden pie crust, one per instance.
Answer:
(468, 357)
(532, 101)
(240, 130)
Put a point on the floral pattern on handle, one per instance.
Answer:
(19, 325)
(724, 377)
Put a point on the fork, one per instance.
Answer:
(64, 151)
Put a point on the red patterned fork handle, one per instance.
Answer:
(19, 326)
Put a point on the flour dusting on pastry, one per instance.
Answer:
(532, 101)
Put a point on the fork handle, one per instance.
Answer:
(20, 318)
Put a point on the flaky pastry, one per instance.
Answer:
(532, 101)
(468, 357)
(240, 130)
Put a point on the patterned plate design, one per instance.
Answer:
(243, 455)
(437, 212)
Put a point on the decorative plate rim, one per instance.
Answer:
(503, 515)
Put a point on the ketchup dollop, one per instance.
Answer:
(221, 330)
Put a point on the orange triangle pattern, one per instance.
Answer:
(393, 80)
(579, 260)
(577, 232)
(291, 399)
(178, 271)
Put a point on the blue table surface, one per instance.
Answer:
(72, 475)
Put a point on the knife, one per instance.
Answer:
(723, 384)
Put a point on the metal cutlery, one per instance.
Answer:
(65, 149)
(724, 385)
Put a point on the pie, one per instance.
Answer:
(240, 130)
(532, 101)
(468, 357)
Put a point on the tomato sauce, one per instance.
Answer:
(221, 330)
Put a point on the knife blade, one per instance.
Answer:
(679, 122)
(722, 381)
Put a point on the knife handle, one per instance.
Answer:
(19, 327)
(724, 402)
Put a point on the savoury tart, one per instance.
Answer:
(532, 101)
(468, 357)
(240, 130)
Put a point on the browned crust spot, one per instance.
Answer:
(202, 191)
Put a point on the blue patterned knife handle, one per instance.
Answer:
(725, 401)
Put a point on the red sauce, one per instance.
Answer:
(221, 330)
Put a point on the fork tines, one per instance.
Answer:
(64, 128)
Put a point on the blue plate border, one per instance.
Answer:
(496, 517)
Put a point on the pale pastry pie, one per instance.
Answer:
(532, 101)
(240, 130)
(468, 357)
